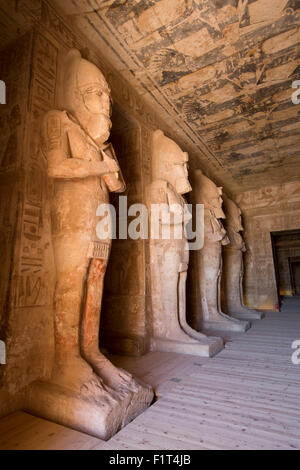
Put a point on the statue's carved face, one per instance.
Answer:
(233, 216)
(97, 104)
(96, 100)
(181, 175)
(170, 163)
(214, 200)
(87, 97)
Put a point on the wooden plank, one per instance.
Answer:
(22, 431)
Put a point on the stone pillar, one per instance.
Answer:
(209, 259)
(233, 268)
(82, 170)
(169, 257)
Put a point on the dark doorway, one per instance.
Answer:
(295, 275)
(286, 253)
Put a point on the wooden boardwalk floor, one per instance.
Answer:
(247, 397)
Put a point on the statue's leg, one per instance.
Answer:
(190, 332)
(234, 274)
(171, 333)
(210, 290)
(70, 278)
(112, 376)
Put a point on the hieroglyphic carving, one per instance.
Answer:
(32, 287)
(55, 25)
(270, 196)
(146, 143)
(8, 215)
(31, 10)
(14, 71)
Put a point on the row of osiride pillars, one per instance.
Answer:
(86, 391)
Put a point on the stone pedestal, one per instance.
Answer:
(93, 408)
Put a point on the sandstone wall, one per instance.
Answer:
(267, 210)
(29, 69)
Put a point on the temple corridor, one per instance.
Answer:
(244, 398)
(149, 226)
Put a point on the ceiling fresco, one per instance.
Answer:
(220, 72)
(221, 69)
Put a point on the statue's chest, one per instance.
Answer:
(80, 144)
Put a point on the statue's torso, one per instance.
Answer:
(236, 240)
(214, 231)
(162, 192)
(75, 201)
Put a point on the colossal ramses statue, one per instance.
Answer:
(169, 257)
(86, 392)
(233, 270)
(209, 259)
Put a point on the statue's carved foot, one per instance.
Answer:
(112, 376)
(74, 373)
(77, 397)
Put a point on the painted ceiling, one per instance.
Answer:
(220, 72)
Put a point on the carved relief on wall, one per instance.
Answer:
(15, 72)
(33, 280)
(270, 196)
(8, 217)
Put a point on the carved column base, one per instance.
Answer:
(207, 347)
(95, 409)
(225, 323)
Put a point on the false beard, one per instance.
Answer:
(98, 127)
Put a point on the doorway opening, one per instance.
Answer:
(286, 255)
